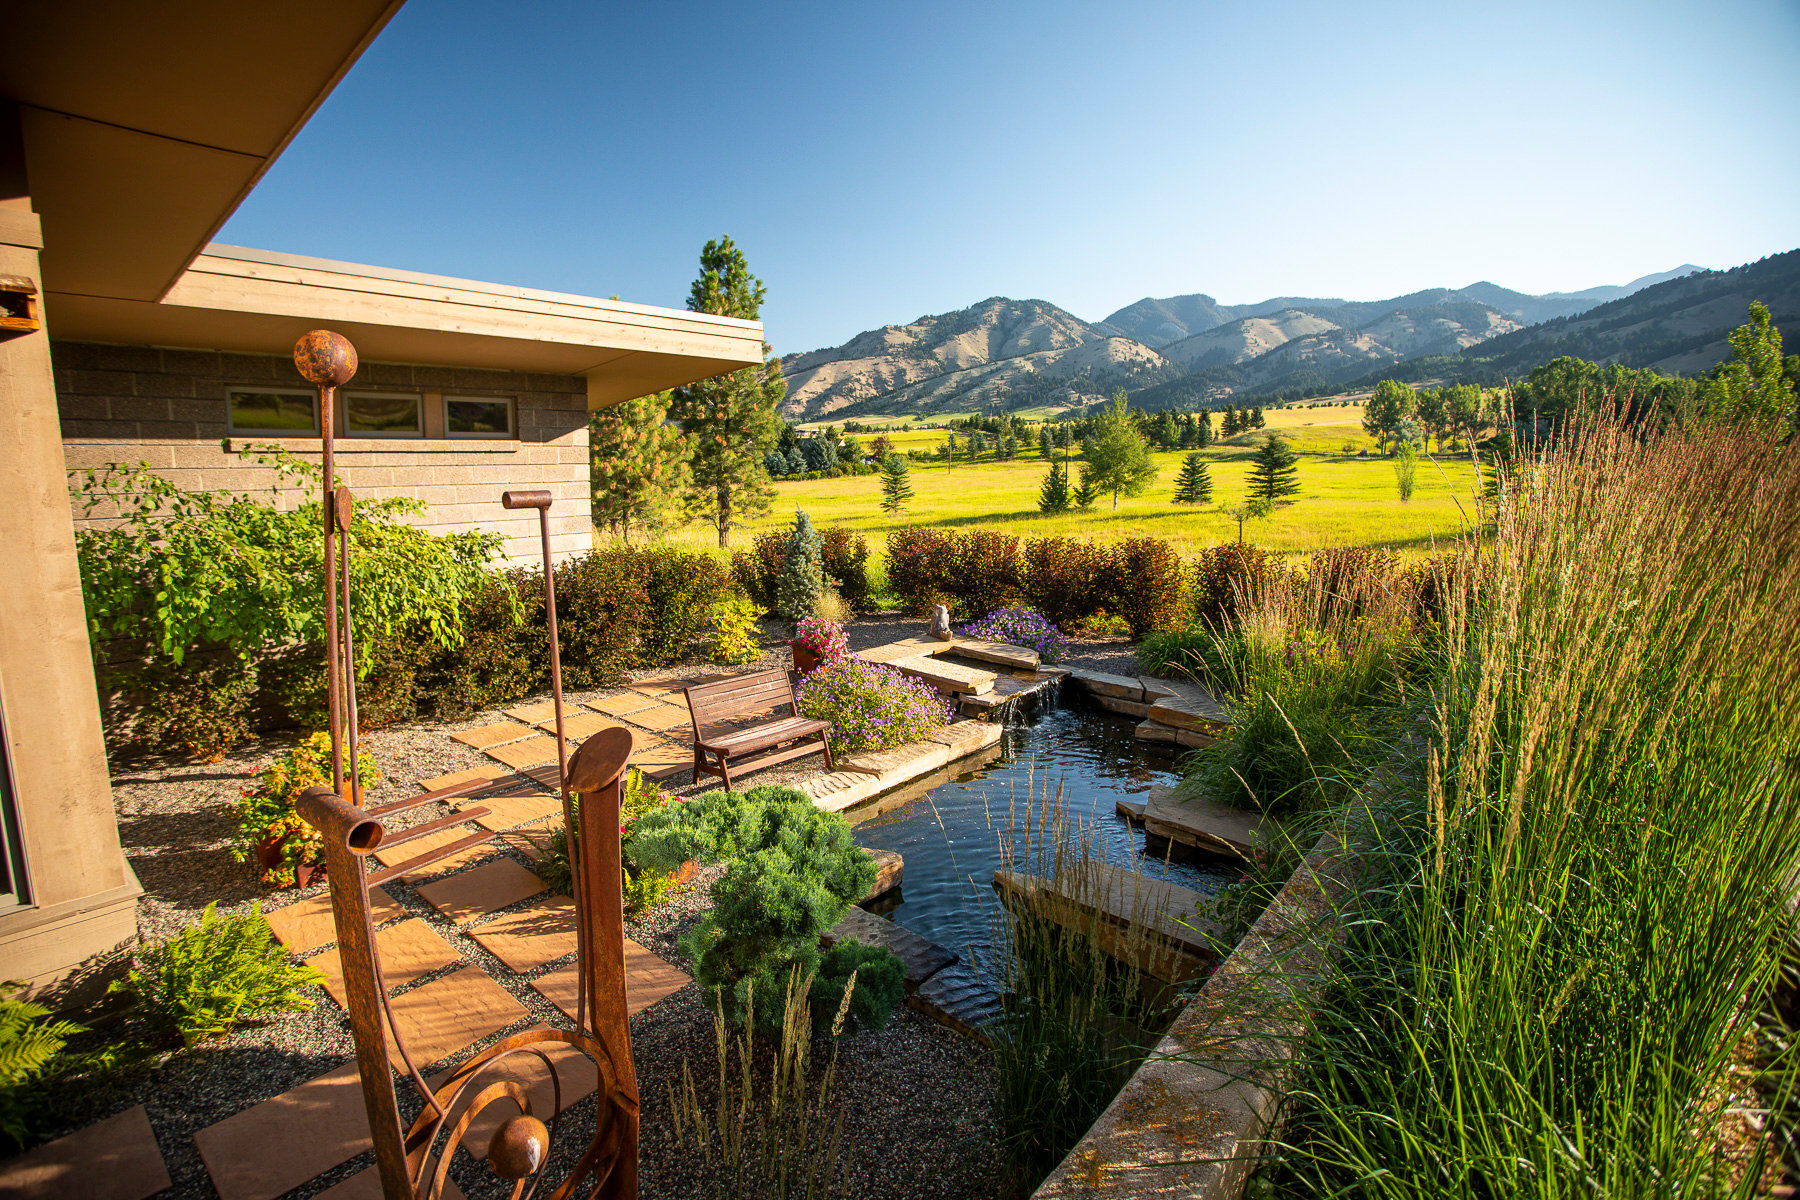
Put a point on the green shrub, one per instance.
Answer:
(266, 814)
(736, 630)
(1062, 578)
(644, 887)
(985, 571)
(1147, 585)
(845, 558)
(505, 653)
(880, 983)
(794, 872)
(683, 588)
(202, 701)
(1227, 574)
(919, 563)
(205, 981)
(870, 706)
(757, 568)
(602, 607)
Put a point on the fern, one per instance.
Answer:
(31, 1052)
(205, 981)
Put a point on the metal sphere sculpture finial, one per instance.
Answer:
(518, 1147)
(325, 358)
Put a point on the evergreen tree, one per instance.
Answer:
(1053, 496)
(1228, 426)
(775, 463)
(729, 420)
(1168, 433)
(896, 488)
(1256, 418)
(1118, 460)
(796, 460)
(1274, 471)
(636, 463)
(821, 453)
(801, 582)
(1046, 445)
(977, 442)
(1190, 433)
(1754, 384)
(1204, 435)
(1194, 484)
(1086, 494)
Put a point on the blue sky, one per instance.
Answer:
(878, 162)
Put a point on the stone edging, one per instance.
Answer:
(1192, 1120)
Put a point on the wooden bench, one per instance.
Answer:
(718, 744)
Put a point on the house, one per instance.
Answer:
(128, 135)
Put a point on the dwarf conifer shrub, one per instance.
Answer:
(1148, 585)
(795, 871)
(802, 578)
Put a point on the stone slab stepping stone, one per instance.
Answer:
(623, 705)
(478, 892)
(409, 951)
(1202, 822)
(532, 752)
(660, 717)
(114, 1159)
(902, 762)
(366, 1185)
(578, 724)
(664, 760)
(1156, 689)
(647, 980)
(1192, 708)
(889, 868)
(450, 1014)
(506, 812)
(1156, 731)
(923, 958)
(1131, 807)
(1128, 708)
(966, 737)
(456, 777)
(309, 924)
(400, 852)
(543, 710)
(1015, 658)
(532, 937)
(491, 735)
(905, 648)
(840, 789)
(957, 998)
(257, 1155)
(1148, 922)
(1100, 683)
(947, 676)
(576, 1077)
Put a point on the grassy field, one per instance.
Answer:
(1346, 499)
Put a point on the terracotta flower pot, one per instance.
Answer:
(268, 855)
(804, 660)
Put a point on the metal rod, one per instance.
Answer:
(343, 508)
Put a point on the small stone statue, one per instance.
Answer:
(940, 624)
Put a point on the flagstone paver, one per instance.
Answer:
(531, 714)
(505, 812)
(647, 980)
(623, 704)
(664, 759)
(578, 724)
(366, 1185)
(532, 937)
(660, 689)
(410, 950)
(114, 1159)
(256, 1154)
(481, 890)
(491, 735)
(390, 856)
(663, 716)
(451, 1013)
(455, 777)
(575, 1075)
(532, 752)
(309, 924)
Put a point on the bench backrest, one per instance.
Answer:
(741, 695)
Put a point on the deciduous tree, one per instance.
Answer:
(1118, 460)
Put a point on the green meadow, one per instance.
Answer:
(1346, 499)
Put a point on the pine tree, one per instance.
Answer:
(1046, 446)
(896, 487)
(1118, 459)
(636, 463)
(1205, 435)
(1053, 496)
(1086, 494)
(1194, 484)
(1256, 418)
(796, 460)
(1228, 426)
(801, 582)
(729, 420)
(1274, 471)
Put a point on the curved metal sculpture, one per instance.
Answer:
(414, 1161)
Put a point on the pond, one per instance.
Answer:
(954, 836)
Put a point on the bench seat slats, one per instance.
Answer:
(720, 709)
(786, 729)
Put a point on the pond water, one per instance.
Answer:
(955, 835)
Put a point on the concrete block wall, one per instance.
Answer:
(167, 407)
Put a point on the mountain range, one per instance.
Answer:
(1191, 350)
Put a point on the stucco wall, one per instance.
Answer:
(168, 408)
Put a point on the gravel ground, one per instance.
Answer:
(917, 1099)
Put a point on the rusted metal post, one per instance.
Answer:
(328, 360)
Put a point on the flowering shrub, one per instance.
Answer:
(823, 637)
(870, 706)
(1021, 627)
(268, 826)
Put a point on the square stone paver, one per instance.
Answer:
(507, 811)
(256, 1154)
(455, 777)
(578, 724)
(531, 714)
(437, 1020)
(575, 1075)
(114, 1159)
(530, 938)
(390, 856)
(623, 704)
(531, 752)
(366, 1185)
(309, 923)
(664, 759)
(410, 950)
(647, 980)
(482, 890)
(491, 735)
(661, 689)
(663, 716)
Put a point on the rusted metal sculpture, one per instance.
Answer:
(413, 1161)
